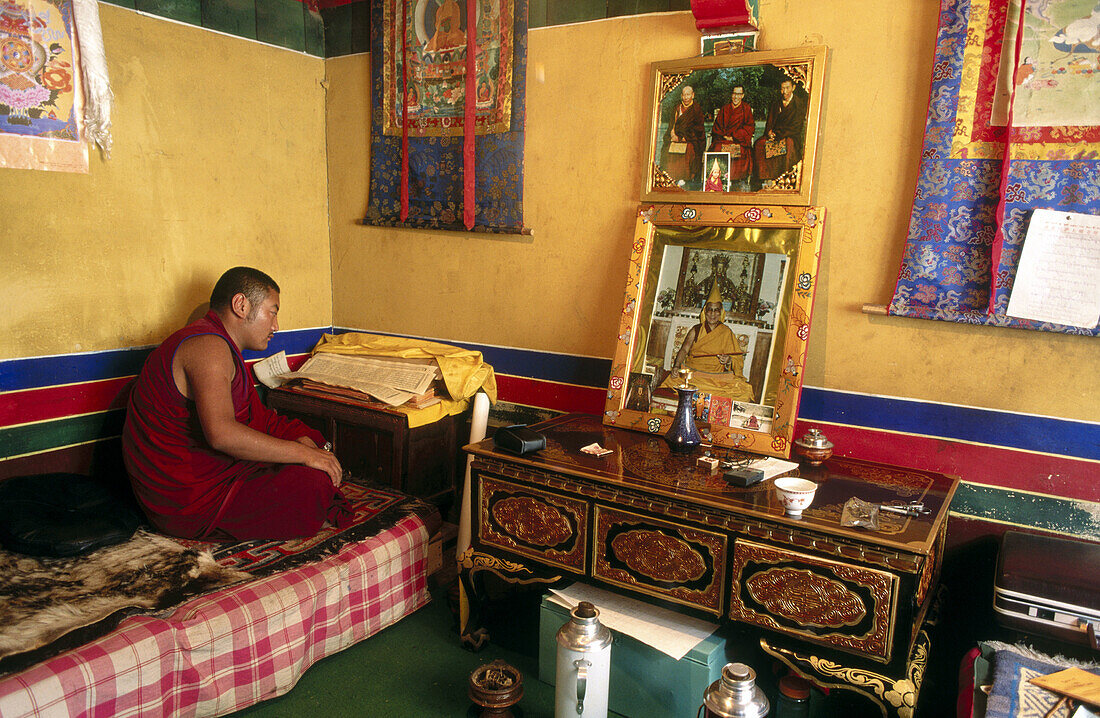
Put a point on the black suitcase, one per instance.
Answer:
(1050, 587)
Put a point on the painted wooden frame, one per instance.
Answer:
(773, 304)
(780, 169)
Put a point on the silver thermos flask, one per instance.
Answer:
(584, 665)
(735, 695)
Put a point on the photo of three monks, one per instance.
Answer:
(205, 457)
(752, 164)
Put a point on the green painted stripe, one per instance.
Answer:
(49, 435)
(1045, 513)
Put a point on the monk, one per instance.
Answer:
(448, 31)
(711, 351)
(780, 147)
(732, 132)
(206, 459)
(686, 125)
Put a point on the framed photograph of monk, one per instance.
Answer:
(725, 292)
(760, 108)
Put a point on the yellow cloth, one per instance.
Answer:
(464, 370)
(708, 373)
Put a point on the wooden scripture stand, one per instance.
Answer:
(374, 441)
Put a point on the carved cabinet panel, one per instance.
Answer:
(534, 523)
(838, 604)
(659, 558)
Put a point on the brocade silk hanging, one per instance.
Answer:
(1023, 131)
(422, 112)
(41, 102)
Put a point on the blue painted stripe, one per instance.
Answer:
(983, 426)
(35, 372)
(532, 364)
(297, 341)
(1063, 437)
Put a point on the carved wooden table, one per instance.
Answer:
(843, 606)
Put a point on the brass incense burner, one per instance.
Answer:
(496, 687)
(815, 447)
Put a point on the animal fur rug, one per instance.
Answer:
(44, 599)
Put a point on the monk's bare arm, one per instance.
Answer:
(206, 365)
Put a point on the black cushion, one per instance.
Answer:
(64, 514)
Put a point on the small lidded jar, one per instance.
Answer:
(794, 697)
(735, 695)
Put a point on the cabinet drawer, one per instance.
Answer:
(848, 607)
(671, 561)
(533, 523)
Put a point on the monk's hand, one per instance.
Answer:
(324, 461)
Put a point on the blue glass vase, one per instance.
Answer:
(683, 436)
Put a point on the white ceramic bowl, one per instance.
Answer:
(795, 494)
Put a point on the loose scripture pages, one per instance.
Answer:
(1058, 277)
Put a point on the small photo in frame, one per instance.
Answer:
(728, 43)
(716, 165)
(760, 108)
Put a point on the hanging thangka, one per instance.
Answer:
(42, 109)
(439, 112)
(1013, 126)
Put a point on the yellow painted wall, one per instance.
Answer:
(561, 289)
(219, 160)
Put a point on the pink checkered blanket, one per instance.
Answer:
(226, 650)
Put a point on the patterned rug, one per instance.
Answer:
(375, 509)
(1013, 696)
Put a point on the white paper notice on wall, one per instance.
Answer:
(1058, 277)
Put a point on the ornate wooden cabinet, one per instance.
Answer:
(844, 605)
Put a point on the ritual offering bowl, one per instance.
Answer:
(496, 687)
(795, 494)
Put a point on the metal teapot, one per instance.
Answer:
(583, 666)
(735, 695)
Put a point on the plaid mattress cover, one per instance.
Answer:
(234, 647)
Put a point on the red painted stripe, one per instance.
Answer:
(550, 395)
(56, 402)
(992, 465)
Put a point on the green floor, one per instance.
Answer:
(417, 668)
(414, 668)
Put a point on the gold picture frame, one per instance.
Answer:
(761, 263)
(760, 107)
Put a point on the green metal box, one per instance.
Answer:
(645, 683)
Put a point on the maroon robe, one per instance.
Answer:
(732, 132)
(191, 490)
(787, 123)
(690, 128)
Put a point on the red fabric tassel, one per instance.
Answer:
(468, 173)
(404, 111)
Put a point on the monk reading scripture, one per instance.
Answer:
(205, 457)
